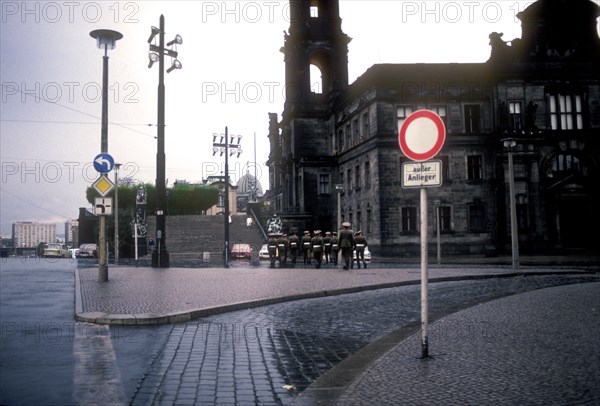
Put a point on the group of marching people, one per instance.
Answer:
(318, 247)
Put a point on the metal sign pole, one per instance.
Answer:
(424, 301)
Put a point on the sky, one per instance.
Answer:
(232, 75)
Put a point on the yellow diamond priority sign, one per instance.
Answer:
(103, 185)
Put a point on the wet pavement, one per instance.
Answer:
(249, 343)
(270, 354)
(535, 348)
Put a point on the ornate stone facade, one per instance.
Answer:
(543, 90)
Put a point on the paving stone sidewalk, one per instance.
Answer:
(155, 296)
(539, 347)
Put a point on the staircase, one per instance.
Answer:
(192, 240)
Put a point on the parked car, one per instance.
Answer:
(55, 251)
(264, 252)
(367, 255)
(243, 251)
(88, 251)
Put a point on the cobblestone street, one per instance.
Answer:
(270, 354)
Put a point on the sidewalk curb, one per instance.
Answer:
(187, 315)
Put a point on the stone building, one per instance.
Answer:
(340, 140)
(219, 208)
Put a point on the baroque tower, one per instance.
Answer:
(316, 71)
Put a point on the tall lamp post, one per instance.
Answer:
(339, 188)
(160, 255)
(510, 143)
(117, 167)
(105, 39)
(227, 147)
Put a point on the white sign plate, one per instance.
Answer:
(422, 174)
(103, 206)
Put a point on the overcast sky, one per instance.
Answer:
(233, 75)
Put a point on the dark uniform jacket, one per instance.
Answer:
(346, 238)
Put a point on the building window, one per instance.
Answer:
(316, 79)
(566, 112)
(472, 118)
(476, 218)
(366, 130)
(324, 188)
(440, 111)
(514, 115)
(341, 140)
(349, 180)
(369, 220)
(409, 219)
(221, 202)
(357, 177)
(356, 132)
(445, 218)
(566, 163)
(314, 11)
(367, 175)
(342, 180)
(358, 221)
(474, 167)
(348, 141)
(403, 113)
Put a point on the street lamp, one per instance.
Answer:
(339, 188)
(510, 143)
(228, 147)
(160, 255)
(105, 39)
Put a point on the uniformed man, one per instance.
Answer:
(360, 244)
(294, 246)
(346, 241)
(306, 247)
(316, 245)
(282, 247)
(335, 248)
(272, 248)
(327, 246)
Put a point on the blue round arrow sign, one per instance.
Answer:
(104, 163)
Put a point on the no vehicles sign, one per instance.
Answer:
(422, 174)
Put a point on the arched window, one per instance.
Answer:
(316, 80)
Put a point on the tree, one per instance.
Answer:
(185, 199)
(182, 199)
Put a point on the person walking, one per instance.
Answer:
(327, 246)
(272, 248)
(361, 244)
(306, 247)
(335, 248)
(316, 245)
(346, 241)
(293, 247)
(282, 247)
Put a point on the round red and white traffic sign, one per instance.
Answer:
(422, 135)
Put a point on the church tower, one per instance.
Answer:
(316, 55)
(316, 72)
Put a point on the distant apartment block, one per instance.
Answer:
(72, 232)
(28, 234)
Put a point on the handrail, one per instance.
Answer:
(260, 227)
